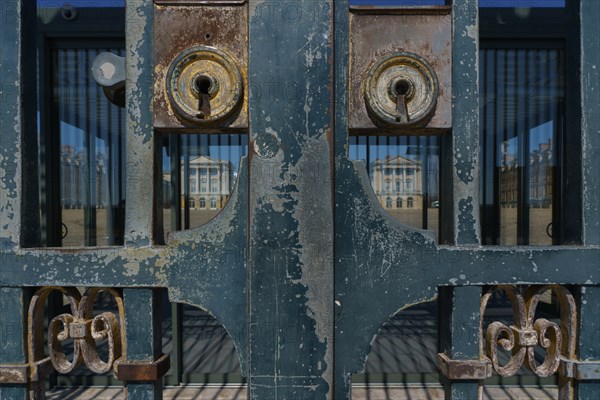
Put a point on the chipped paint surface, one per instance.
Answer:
(10, 127)
(590, 120)
(381, 266)
(139, 143)
(291, 221)
(465, 116)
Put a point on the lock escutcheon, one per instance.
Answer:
(401, 90)
(204, 85)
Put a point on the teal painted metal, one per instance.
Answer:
(382, 266)
(265, 266)
(139, 20)
(589, 338)
(590, 119)
(291, 220)
(17, 225)
(18, 195)
(460, 338)
(144, 338)
(465, 124)
(12, 338)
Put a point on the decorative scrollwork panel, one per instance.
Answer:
(527, 332)
(86, 330)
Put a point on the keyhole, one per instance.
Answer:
(402, 87)
(402, 90)
(203, 84)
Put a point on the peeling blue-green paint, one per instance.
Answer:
(465, 120)
(143, 328)
(468, 225)
(291, 221)
(12, 338)
(265, 266)
(590, 119)
(139, 139)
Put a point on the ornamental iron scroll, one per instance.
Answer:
(527, 332)
(81, 326)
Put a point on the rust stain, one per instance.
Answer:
(177, 29)
(428, 36)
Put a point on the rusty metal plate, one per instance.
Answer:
(428, 35)
(179, 29)
(143, 372)
(580, 370)
(13, 374)
(463, 369)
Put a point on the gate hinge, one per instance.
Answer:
(464, 369)
(580, 370)
(142, 371)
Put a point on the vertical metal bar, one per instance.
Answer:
(186, 182)
(291, 273)
(90, 139)
(158, 230)
(47, 200)
(19, 196)
(143, 330)
(571, 213)
(111, 170)
(53, 192)
(532, 84)
(12, 338)
(590, 120)
(459, 329)
(497, 181)
(175, 173)
(139, 21)
(465, 121)
(424, 156)
(177, 339)
(589, 345)
(557, 72)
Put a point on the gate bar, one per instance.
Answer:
(589, 343)
(462, 158)
(144, 335)
(590, 119)
(19, 219)
(459, 337)
(12, 341)
(589, 318)
(139, 24)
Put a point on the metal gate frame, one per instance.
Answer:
(343, 268)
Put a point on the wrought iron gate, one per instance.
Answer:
(302, 245)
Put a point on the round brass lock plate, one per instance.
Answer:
(204, 74)
(401, 74)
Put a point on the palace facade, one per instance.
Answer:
(397, 182)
